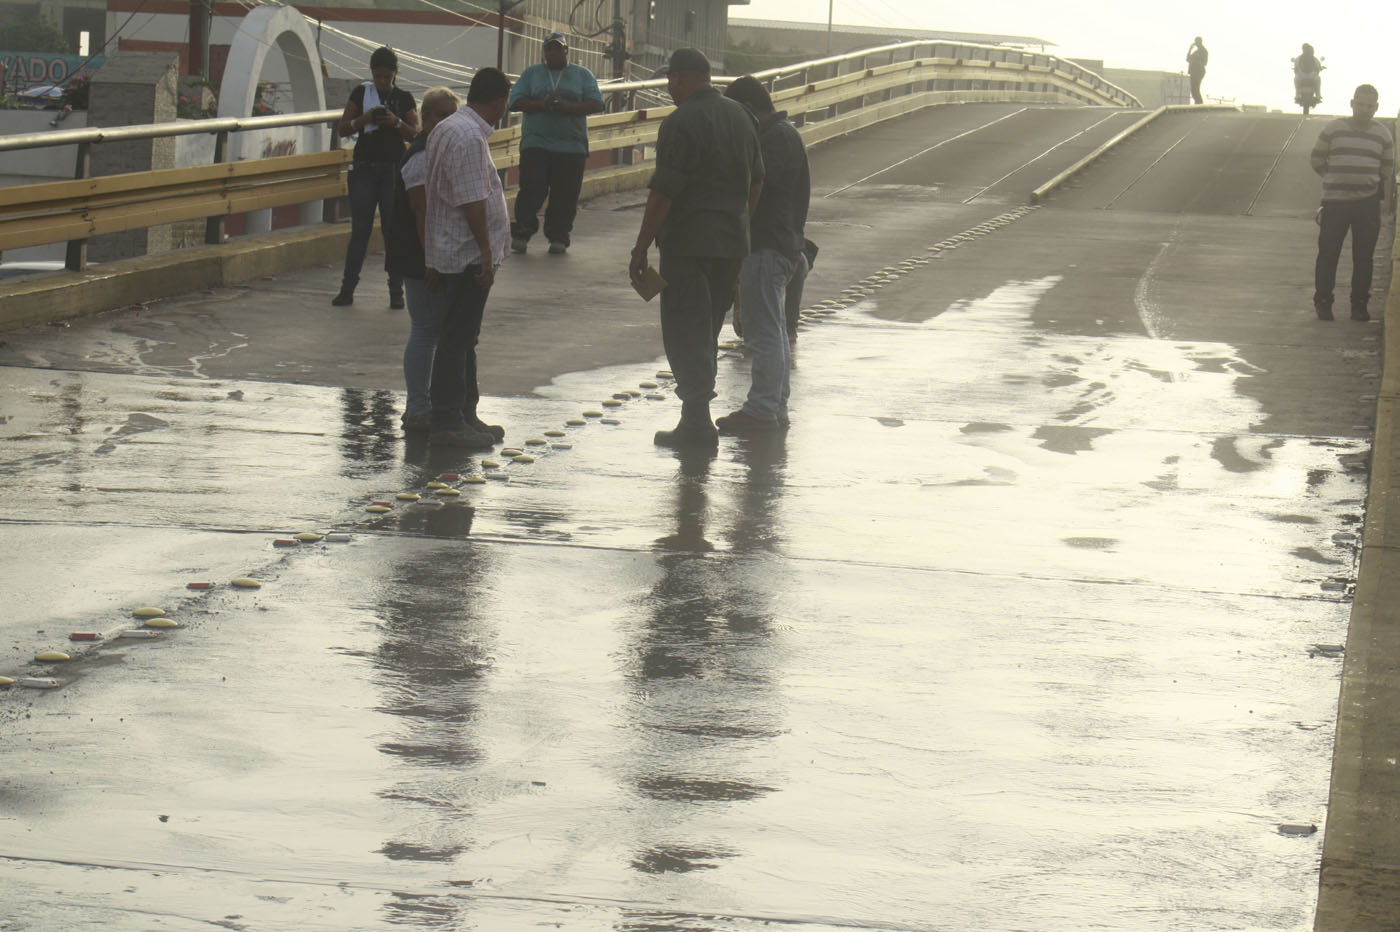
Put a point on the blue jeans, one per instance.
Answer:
(763, 281)
(453, 388)
(370, 185)
(425, 313)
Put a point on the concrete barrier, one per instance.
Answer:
(64, 295)
(1359, 884)
(1041, 193)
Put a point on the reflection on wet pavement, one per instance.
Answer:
(1008, 613)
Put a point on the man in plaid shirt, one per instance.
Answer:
(467, 236)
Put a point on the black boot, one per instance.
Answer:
(693, 430)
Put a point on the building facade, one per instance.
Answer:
(439, 43)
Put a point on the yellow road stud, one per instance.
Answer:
(243, 582)
(162, 623)
(148, 612)
(51, 656)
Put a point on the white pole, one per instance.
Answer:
(830, 5)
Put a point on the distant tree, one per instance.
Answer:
(34, 36)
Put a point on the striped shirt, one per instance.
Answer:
(460, 172)
(1353, 161)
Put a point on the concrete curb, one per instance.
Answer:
(135, 281)
(1045, 190)
(1359, 884)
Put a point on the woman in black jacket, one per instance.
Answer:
(386, 117)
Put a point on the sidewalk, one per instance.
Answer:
(1360, 883)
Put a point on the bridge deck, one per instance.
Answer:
(1018, 627)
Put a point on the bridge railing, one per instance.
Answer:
(824, 91)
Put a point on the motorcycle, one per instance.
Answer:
(1307, 84)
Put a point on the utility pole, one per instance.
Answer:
(501, 36)
(200, 22)
(617, 51)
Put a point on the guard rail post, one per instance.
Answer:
(75, 259)
(214, 226)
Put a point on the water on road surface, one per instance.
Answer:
(1027, 623)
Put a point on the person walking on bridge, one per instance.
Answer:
(467, 234)
(386, 118)
(556, 98)
(708, 177)
(769, 270)
(404, 257)
(1356, 158)
(1196, 58)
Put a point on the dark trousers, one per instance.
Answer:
(557, 176)
(1363, 218)
(1196, 77)
(370, 186)
(453, 388)
(699, 292)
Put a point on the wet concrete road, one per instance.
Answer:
(1025, 623)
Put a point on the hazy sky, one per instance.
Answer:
(1250, 42)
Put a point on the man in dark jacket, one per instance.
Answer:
(776, 238)
(709, 172)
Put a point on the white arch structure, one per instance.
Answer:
(256, 34)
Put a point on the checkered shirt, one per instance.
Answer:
(460, 172)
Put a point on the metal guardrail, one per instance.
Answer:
(811, 91)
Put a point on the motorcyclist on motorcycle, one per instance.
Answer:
(1307, 79)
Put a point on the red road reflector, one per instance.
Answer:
(199, 585)
(58, 323)
(449, 477)
(84, 636)
(285, 543)
(383, 504)
(138, 307)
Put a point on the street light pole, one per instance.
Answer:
(830, 6)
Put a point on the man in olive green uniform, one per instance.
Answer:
(709, 172)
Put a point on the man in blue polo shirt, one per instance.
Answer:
(556, 98)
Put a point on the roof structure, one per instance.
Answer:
(974, 38)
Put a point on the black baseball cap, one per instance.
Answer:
(687, 60)
(557, 37)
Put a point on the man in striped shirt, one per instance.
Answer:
(1356, 159)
